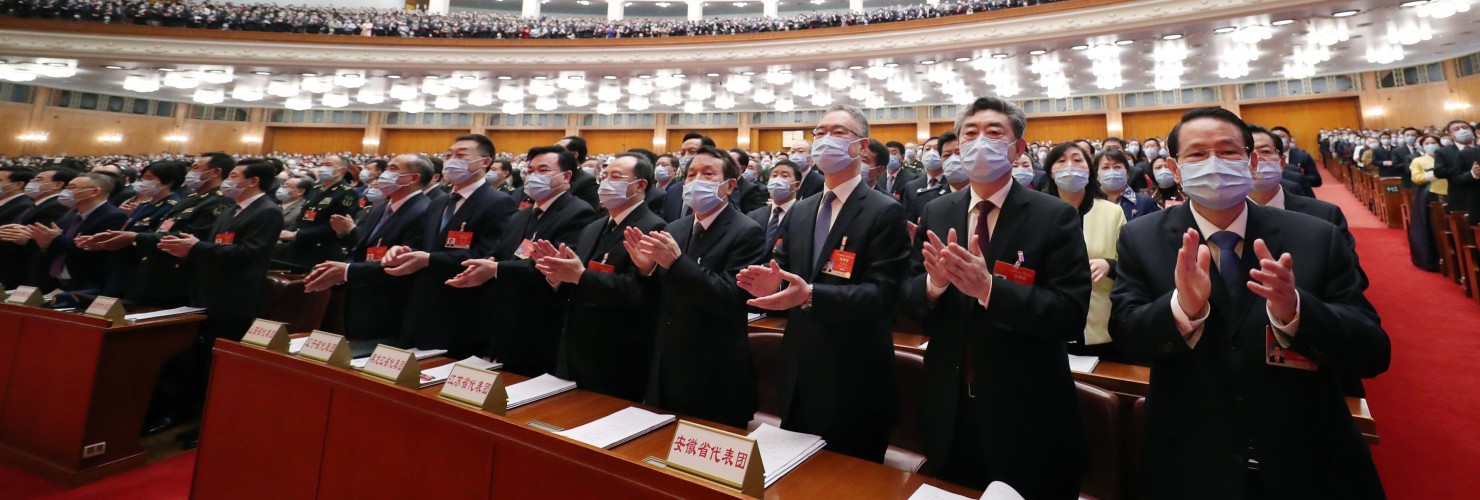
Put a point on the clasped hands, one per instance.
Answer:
(1274, 279)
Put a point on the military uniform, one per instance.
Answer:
(315, 240)
(916, 205)
(161, 279)
(506, 188)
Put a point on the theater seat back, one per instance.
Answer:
(765, 354)
(1101, 411)
(905, 451)
(283, 300)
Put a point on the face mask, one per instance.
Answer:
(1165, 179)
(613, 193)
(386, 183)
(1429, 149)
(701, 196)
(748, 175)
(662, 174)
(536, 186)
(1113, 180)
(456, 171)
(1372, 144)
(194, 181)
(984, 159)
(1464, 136)
(1042, 156)
(1072, 179)
(325, 174)
(932, 161)
(1217, 183)
(67, 199)
(780, 188)
(32, 189)
(1267, 175)
(494, 177)
(1446, 142)
(683, 163)
(283, 193)
(588, 170)
(374, 195)
(830, 153)
(365, 176)
(1386, 142)
(1132, 149)
(1023, 175)
(955, 174)
(230, 189)
(147, 189)
(894, 164)
(800, 159)
(909, 154)
(1410, 140)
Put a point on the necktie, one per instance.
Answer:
(1227, 241)
(773, 226)
(824, 224)
(58, 262)
(451, 209)
(694, 237)
(934, 183)
(889, 184)
(385, 215)
(983, 240)
(531, 226)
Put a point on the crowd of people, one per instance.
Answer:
(632, 273)
(365, 21)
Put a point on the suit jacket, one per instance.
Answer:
(439, 316)
(1393, 154)
(375, 302)
(1136, 205)
(227, 278)
(924, 196)
(528, 334)
(12, 210)
(748, 196)
(1212, 405)
(762, 216)
(583, 186)
(17, 262)
(901, 183)
(673, 201)
(701, 360)
(315, 240)
(607, 343)
(1295, 185)
(656, 199)
(1464, 190)
(161, 279)
(812, 183)
(89, 270)
(1031, 430)
(1302, 162)
(837, 359)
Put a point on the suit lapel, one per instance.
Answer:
(374, 217)
(802, 226)
(841, 221)
(1013, 212)
(715, 232)
(1258, 228)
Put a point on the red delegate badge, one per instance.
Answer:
(1015, 273)
(375, 254)
(225, 238)
(459, 239)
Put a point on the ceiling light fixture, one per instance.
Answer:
(1283, 22)
(1346, 13)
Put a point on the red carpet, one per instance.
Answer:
(162, 480)
(1426, 404)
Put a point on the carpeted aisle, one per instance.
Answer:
(1426, 404)
(163, 480)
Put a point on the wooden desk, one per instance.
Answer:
(1128, 380)
(276, 426)
(68, 381)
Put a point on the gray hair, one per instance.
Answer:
(1015, 114)
(854, 113)
(103, 181)
(421, 165)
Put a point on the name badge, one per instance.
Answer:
(481, 389)
(600, 267)
(25, 296)
(1014, 273)
(326, 348)
(107, 308)
(225, 238)
(267, 334)
(840, 263)
(167, 225)
(459, 239)
(717, 456)
(526, 248)
(397, 366)
(310, 214)
(1277, 355)
(375, 254)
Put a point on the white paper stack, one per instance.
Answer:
(613, 430)
(424, 354)
(752, 317)
(434, 376)
(359, 363)
(928, 492)
(1083, 364)
(162, 313)
(535, 389)
(783, 450)
(999, 490)
(295, 345)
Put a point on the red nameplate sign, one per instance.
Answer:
(393, 365)
(481, 389)
(715, 455)
(270, 335)
(25, 296)
(326, 348)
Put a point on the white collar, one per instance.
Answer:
(1240, 225)
(467, 192)
(396, 205)
(621, 216)
(843, 191)
(996, 198)
(248, 202)
(544, 206)
(786, 207)
(1278, 201)
(707, 221)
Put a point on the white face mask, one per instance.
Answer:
(613, 193)
(1268, 175)
(985, 159)
(1217, 183)
(830, 153)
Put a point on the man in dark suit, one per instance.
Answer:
(749, 193)
(812, 181)
(665, 170)
(1458, 164)
(13, 199)
(1388, 157)
(842, 256)
(582, 184)
(607, 342)
(375, 302)
(896, 178)
(952, 178)
(467, 224)
(123, 178)
(987, 327)
(315, 241)
(1297, 160)
(65, 265)
(1225, 417)
(783, 193)
(19, 253)
(692, 142)
(701, 360)
(527, 335)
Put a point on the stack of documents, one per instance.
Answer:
(998, 490)
(783, 450)
(295, 345)
(612, 430)
(434, 376)
(752, 317)
(131, 318)
(359, 363)
(535, 389)
(1083, 364)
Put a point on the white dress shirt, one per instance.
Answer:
(1192, 328)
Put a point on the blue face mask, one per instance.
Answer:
(701, 196)
(147, 189)
(1072, 179)
(894, 164)
(662, 174)
(537, 186)
(1217, 183)
(1023, 176)
(1113, 180)
(230, 189)
(374, 196)
(954, 173)
(932, 162)
(612, 193)
(800, 159)
(325, 174)
(779, 188)
(365, 176)
(1165, 179)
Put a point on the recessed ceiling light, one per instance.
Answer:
(113, 66)
(465, 77)
(855, 67)
(1079, 47)
(393, 77)
(262, 73)
(1283, 22)
(1038, 52)
(501, 77)
(211, 71)
(1127, 42)
(999, 56)
(785, 72)
(1225, 29)
(819, 70)
(891, 65)
(711, 75)
(644, 77)
(1177, 36)
(679, 75)
(432, 77)
(963, 59)
(541, 77)
(748, 73)
(316, 74)
(928, 62)
(1346, 13)
(58, 65)
(1413, 3)
(609, 77)
(166, 70)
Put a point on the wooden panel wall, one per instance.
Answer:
(903, 133)
(724, 138)
(13, 118)
(313, 140)
(1065, 128)
(520, 141)
(1423, 105)
(76, 132)
(770, 139)
(400, 141)
(1305, 118)
(211, 136)
(1144, 124)
(616, 141)
(937, 128)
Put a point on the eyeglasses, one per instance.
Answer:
(1224, 153)
(842, 132)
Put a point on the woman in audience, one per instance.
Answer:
(1426, 189)
(1112, 170)
(1101, 221)
(1167, 189)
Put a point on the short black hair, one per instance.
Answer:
(895, 145)
(261, 170)
(1088, 146)
(577, 146)
(947, 136)
(704, 140)
(485, 145)
(504, 165)
(881, 153)
(1279, 145)
(1451, 123)
(566, 159)
(169, 172)
(1215, 113)
(130, 173)
(1112, 138)
(220, 161)
(651, 156)
(1114, 155)
(1415, 131)
(19, 174)
(732, 169)
(642, 168)
(796, 172)
(63, 174)
(378, 163)
(671, 159)
(300, 182)
(1091, 190)
(1281, 128)
(116, 183)
(744, 157)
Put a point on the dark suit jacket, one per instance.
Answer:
(1210, 405)
(762, 216)
(440, 316)
(837, 359)
(17, 262)
(227, 278)
(701, 360)
(607, 343)
(436, 194)
(655, 199)
(923, 197)
(1464, 190)
(673, 201)
(901, 183)
(1293, 184)
(13, 209)
(527, 336)
(812, 183)
(1142, 205)
(375, 302)
(1394, 154)
(315, 240)
(748, 196)
(89, 270)
(1302, 162)
(1031, 428)
(583, 186)
(161, 279)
